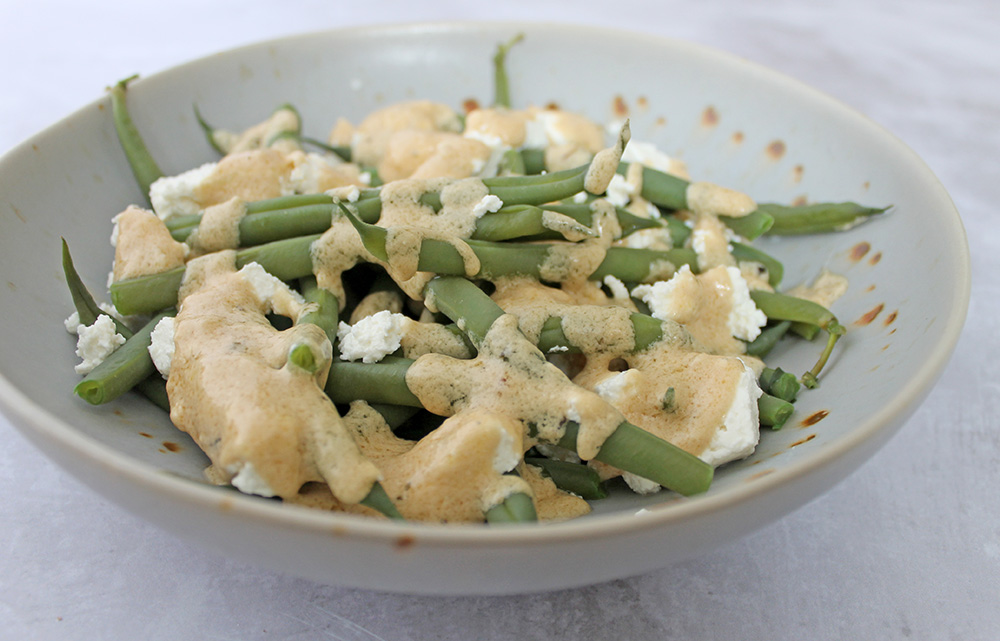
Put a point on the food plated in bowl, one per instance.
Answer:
(755, 154)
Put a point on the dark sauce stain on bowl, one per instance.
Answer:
(800, 201)
(870, 288)
(171, 446)
(552, 106)
(35, 148)
(11, 286)
(737, 137)
(405, 542)
(876, 257)
(800, 442)
(338, 530)
(619, 107)
(470, 104)
(760, 474)
(226, 504)
(776, 150)
(814, 418)
(870, 315)
(661, 121)
(642, 102)
(891, 318)
(17, 212)
(797, 172)
(860, 250)
(709, 117)
(146, 434)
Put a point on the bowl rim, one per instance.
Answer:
(27, 416)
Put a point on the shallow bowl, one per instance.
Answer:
(732, 122)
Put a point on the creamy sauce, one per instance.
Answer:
(232, 389)
(144, 245)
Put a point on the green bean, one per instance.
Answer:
(377, 499)
(153, 386)
(783, 307)
(534, 161)
(327, 312)
(383, 382)
(285, 259)
(644, 454)
(660, 188)
(768, 338)
(773, 411)
(144, 167)
(125, 368)
(646, 329)
(304, 357)
(208, 130)
(501, 85)
(779, 383)
(775, 270)
(751, 226)
(817, 218)
(576, 478)
(511, 164)
(516, 508)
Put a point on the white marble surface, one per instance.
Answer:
(906, 548)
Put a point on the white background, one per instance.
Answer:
(906, 548)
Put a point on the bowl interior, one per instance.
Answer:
(732, 122)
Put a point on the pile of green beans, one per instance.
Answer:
(278, 234)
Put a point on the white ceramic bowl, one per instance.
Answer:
(733, 122)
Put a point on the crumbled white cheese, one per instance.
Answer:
(371, 338)
(161, 345)
(640, 485)
(652, 238)
(96, 343)
(72, 323)
(620, 190)
(174, 195)
(580, 197)
(307, 172)
(350, 193)
(619, 385)
(248, 481)
(271, 291)
(535, 133)
(745, 320)
(508, 452)
(488, 204)
(739, 433)
(676, 299)
(617, 287)
(647, 155)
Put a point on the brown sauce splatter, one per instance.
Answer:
(797, 173)
(814, 418)
(470, 104)
(891, 318)
(619, 107)
(405, 542)
(226, 504)
(147, 435)
(118, 413)
(661, 122)
(642, 102)
(17, 212)
(867, 185)
(805, 440)
(11, 286)
(552, 106)
(171, 446)
(870, 315)
(761, 474)
(800, 201)
(737, 137)
(870, 288)
(776, 150)
(875, 258)
(892, 331)
(860, 250)
(709, 117)
(34, 148)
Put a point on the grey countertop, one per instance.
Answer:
(908, 547)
